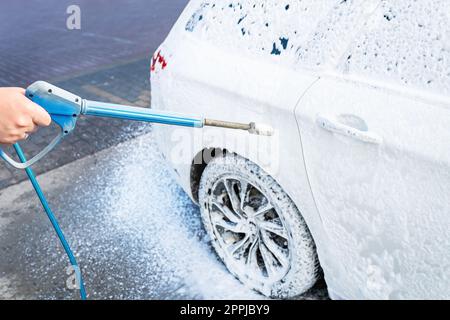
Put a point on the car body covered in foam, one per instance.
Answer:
(358, 93)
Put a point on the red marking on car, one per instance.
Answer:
(158, 59)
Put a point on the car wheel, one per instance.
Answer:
(256, 229)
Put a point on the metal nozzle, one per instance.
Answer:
(252, 128)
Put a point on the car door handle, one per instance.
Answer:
(333, 125)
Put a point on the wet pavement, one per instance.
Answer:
(35, 43)
(136, 234)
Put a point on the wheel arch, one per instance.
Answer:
(206, 154)
(198, 165)
(200, 162)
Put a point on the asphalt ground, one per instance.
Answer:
(35, 43)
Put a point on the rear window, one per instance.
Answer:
(303, 32)
(405, 42)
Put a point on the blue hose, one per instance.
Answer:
(53, 221)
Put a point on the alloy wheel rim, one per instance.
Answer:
(250, 232)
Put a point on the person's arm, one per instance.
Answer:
(19, 116)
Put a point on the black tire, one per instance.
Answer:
(223, 179)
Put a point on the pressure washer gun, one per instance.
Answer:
(65, 108)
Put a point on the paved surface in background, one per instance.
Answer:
(108, 60)
(35, 43)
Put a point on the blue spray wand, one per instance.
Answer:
(65, 108)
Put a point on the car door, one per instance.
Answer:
(376, 144)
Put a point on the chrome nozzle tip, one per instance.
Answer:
(261, 129)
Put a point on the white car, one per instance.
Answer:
(356, 179)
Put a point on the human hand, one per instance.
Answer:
(19, 116)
